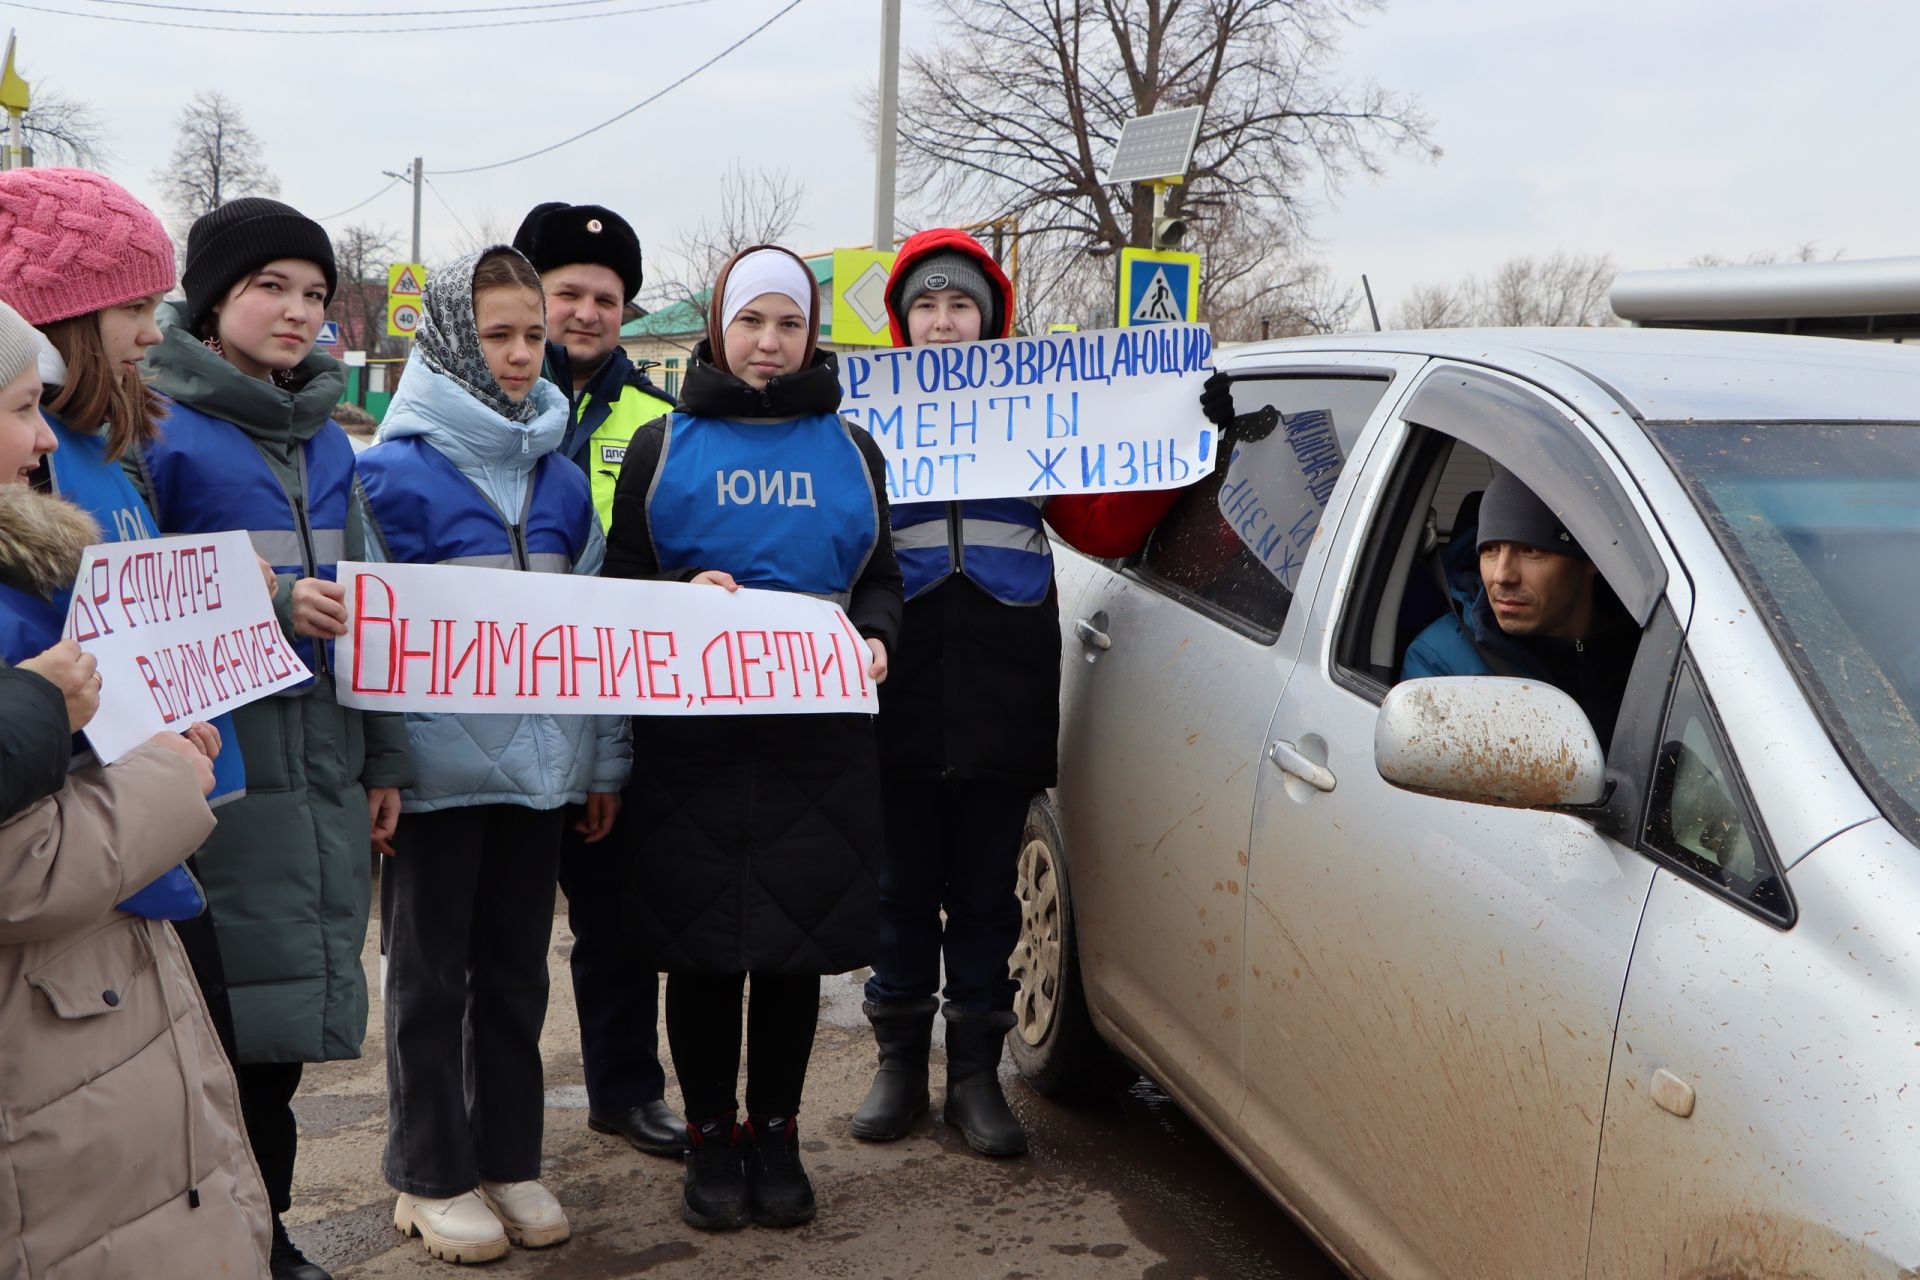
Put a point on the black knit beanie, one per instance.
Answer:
(1511, 512)
(239, 238)
(557, 234)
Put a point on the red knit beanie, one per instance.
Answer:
(73, 242)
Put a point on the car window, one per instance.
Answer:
(1232, 543)
(1698, 817)
(1418, 592)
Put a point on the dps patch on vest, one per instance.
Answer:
(613, 454)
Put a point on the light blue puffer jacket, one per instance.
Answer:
(539, 761)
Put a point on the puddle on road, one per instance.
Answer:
(1179, 1192)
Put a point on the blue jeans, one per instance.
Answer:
(951, 847)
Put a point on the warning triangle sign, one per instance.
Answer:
(407, 283)
(1158, 302)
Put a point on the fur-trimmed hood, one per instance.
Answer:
(41, 538)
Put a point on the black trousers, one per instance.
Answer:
(266, 1104)
(618, 1001)
(466, 915)
(703, 1029)
(954, 848)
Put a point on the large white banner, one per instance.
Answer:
(450, 638)
(183, 630)
(1033, 417)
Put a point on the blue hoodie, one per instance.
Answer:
(540, 761)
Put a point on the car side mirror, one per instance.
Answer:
(1489, 740)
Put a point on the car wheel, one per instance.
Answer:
(1053, 1041)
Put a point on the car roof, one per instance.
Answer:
(1668, 375)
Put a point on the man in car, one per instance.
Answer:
(1538, 610)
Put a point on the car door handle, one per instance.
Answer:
(1288, 757)
(1089, 634)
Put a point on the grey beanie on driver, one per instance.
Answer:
(1511, 512)
(19, 344)
(948, 269)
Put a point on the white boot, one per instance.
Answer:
(532, 1217)
(458, 1229)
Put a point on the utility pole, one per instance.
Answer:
(883, 166)
(419, 181)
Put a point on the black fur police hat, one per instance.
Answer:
(556, 234)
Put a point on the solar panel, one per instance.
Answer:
(1155, 146)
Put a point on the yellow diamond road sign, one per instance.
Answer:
(860, 298)
(406, 282)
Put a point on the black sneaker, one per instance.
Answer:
(779, 1193)
(715, 1198)
(286, 1262)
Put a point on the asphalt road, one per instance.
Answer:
(1130, 1189)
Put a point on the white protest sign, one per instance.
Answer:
(1019, 417)
(449, 638)
(183, 630)
(1277, 485)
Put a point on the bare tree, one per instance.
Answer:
(362, 255)
(1560, 290)
(1018, 108)
(64, 131)
(216, 159)
(756, 207)
(1810, 251)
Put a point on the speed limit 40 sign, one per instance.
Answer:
(406, 282)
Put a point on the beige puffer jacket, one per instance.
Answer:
(121, 1146)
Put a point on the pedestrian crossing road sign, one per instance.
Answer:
(1158, 287)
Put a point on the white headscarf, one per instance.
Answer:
(766, 271)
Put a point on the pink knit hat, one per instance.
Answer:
(72, 242)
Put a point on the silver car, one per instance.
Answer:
(1531, 1010)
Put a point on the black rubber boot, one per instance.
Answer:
(715, 1195)
(779, 1193)
(286, 1262)
(975, 1105)
(904, 1032)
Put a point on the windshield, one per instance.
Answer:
(1823, 524)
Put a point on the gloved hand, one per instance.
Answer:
(1216, 400)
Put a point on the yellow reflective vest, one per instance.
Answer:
(607, 447)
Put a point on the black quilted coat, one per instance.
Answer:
(755, 839)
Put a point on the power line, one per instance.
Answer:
(652, 97)
(449, 208)
(354, 31)
(350, 208)
(345, 13)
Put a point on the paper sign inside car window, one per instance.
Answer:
(1277, 485)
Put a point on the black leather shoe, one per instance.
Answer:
(286, 1262)
(714, 1195)
(651, 1127)
(779, 1193)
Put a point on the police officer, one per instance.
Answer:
(589, 263)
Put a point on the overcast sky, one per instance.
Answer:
(1651, 130)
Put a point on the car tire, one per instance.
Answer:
(1053, 1041)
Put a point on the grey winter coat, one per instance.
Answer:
(287, 872)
